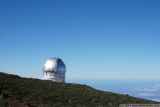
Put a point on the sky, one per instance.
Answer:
(96, 39)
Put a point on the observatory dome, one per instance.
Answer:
(54, 65)
(54, 69)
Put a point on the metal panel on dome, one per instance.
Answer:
(54, 69)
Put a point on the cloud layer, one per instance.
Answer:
(148, 92)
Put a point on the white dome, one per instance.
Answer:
(54, 65)
(54, 69)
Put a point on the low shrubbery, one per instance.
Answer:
(46, 93)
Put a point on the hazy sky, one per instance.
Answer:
(95, 38)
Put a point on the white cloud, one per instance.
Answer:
(146, 94)
(156, 100)
(152, 88)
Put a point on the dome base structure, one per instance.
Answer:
(54, 69)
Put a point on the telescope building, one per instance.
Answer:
(54, 69)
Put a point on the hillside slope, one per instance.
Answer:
(47, 93)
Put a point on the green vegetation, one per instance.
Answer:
(47, 93)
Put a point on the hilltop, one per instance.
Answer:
(31, 92)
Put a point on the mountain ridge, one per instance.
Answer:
(45, 93)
